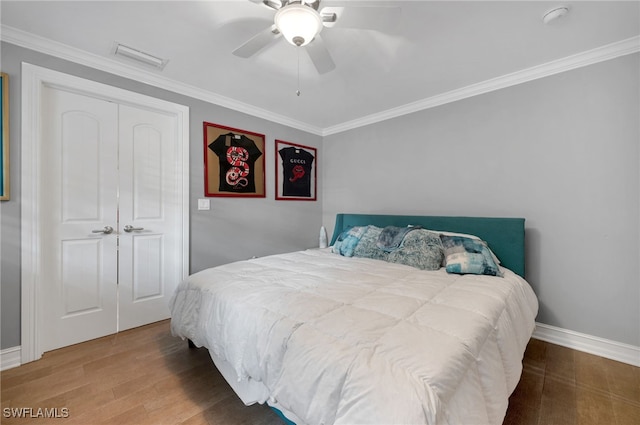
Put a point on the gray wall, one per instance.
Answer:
(561, 152)
(234, 229)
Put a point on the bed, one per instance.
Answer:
(327, 338)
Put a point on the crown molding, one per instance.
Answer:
(63, 51)
(589, 57)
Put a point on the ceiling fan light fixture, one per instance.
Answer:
(299, 24)
(555, 14)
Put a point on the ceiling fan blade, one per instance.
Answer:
(320, 56)
(273, 4)
(257, 42)
(380, 18)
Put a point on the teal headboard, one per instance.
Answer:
(505, 236)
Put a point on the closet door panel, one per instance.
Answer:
(147, 173)
(149, 216)
(147, 267)
(81, 155)
(81, 292)
(79, 201)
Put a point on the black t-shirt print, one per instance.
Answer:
(237, 155)
(296, 164)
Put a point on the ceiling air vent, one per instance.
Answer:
(139, 56)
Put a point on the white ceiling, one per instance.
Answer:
(440, 47)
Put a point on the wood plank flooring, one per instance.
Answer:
(146, 376)
(563, 386)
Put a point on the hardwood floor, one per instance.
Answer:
(146, 376)
(563, 386)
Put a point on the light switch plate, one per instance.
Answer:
(204, 204)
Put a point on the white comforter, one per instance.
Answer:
(358, 341)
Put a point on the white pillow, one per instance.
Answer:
(463, 235)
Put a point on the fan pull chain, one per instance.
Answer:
(298, 89)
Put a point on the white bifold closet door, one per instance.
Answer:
(111, 248)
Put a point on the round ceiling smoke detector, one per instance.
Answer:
(555, 14)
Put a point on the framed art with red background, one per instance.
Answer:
(233, 162)
(296, 172)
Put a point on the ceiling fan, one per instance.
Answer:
(301, 21)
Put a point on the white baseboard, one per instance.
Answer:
(589, 344)
(10, 358)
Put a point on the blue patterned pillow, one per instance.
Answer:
(421, 249)
(368, 246)
(348, 240)
(468, 256)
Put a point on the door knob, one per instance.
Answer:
(106, 230)
(129, 228)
